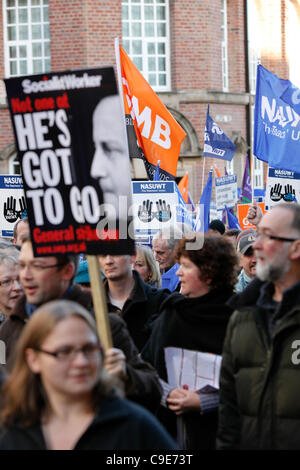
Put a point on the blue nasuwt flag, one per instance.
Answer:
(232, 220)
(216, 143)
(291, 95)
(276, 124)
(202, 219)
(156, 174)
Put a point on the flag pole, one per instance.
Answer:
(203, 167)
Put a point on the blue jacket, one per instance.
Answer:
(169, 280)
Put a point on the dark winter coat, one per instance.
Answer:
(142, 385)
(140, 309)
(198, 324)
(259, 394)
(118, 425)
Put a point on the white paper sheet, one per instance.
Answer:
(193, 369)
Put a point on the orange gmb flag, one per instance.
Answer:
(183, 186)
(158, 133)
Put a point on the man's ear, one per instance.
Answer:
(68, 271)
(294, 253)
(33, 360)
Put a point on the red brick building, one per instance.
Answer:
(192, 53)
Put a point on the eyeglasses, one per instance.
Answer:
(275, 237)
(8, 283)
(38, 267)
(68, 353)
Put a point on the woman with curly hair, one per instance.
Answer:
(195, 320)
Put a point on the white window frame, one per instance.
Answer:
(27, 43)
(254, 44)
(230, 167)
(150, 39)
(258, 173)
(224, 46)
(13, 162)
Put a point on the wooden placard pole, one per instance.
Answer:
(99, 301)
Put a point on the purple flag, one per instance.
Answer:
(246, 191)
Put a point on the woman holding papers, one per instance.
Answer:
(194, 320)
(58, 396)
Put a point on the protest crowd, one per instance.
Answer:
(237, 298)
(181, 336)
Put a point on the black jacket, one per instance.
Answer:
(142, 385)
(260, 375)
(198, 324)
(140, 309)
(118, 425)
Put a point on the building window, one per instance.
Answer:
(230, 167)
(145, 38)
(254, 49)
(224, 46)
(14, 165)
(26, 37)
(258, 172)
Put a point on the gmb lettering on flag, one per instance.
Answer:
(276, 123)
(216, 142)
(158, 134)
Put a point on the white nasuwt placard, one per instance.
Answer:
(192, 369)
(226, 191)
(283, 186)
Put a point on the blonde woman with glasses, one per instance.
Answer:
(58, 396)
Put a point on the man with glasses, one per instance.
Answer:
(50, 278)
(260, 374)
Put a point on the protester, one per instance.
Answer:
(57, 396)
(216, 226)
(147, 266)
(195, 320)
(247, 260)
(50, 278)
(130, 297)
(21, 231)
(163, 245)
(259, 383)
(10, 288)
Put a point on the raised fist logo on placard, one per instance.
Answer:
(275, 194)
(10, 212)
(145, 213)
(289, 194)
(163, 213)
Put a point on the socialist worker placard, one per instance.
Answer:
(71, 142)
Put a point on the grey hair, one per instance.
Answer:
(295, 209)
(9, 256)
(172, 234)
